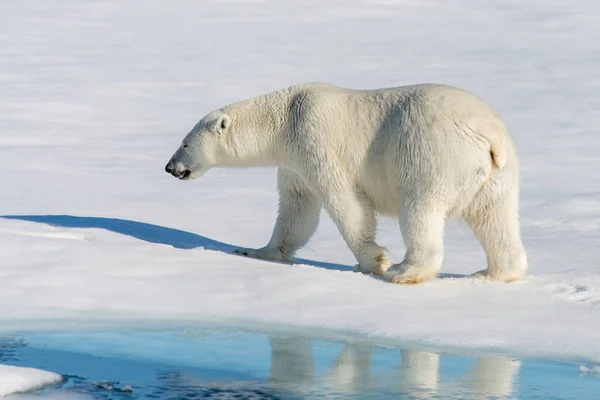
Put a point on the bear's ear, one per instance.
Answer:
(223, 123)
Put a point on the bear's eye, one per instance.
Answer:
(185, 146)
(223, 125)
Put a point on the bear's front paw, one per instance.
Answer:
(407, 274)
(377, 267)
(358, 268)
(265, 254)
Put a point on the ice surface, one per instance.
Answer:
(20, 379)
(96, 96)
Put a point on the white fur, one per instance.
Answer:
(421, 153)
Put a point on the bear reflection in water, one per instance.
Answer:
(417, 374)
(293, 375)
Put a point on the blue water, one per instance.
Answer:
(220, 363)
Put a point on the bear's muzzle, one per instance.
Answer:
(177, 170)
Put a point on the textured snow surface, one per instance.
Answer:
(96, 96)
(19, 379)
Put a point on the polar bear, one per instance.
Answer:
(422, 153)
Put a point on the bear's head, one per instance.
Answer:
(202, 148)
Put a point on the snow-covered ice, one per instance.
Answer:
(97, 95)
(19, 379)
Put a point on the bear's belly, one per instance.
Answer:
(383, 195)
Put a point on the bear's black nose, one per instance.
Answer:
(168, 168)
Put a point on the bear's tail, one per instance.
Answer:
(498, 155)
(498, 147)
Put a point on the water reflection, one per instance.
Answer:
(194, 364)
(417, 375)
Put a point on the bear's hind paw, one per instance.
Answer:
(506, 277)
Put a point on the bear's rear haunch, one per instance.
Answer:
(421, 153)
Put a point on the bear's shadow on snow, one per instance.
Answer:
(153, 234)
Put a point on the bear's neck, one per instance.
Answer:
(259, 130)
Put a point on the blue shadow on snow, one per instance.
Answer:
(152, 233)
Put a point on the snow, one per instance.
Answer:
(96, 96)
(19, 379)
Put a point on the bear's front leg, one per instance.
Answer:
(354, 216)
(297, 220)
(422, 225)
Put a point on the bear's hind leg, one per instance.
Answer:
(422, 226)
(297, 220)
(496, 226)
